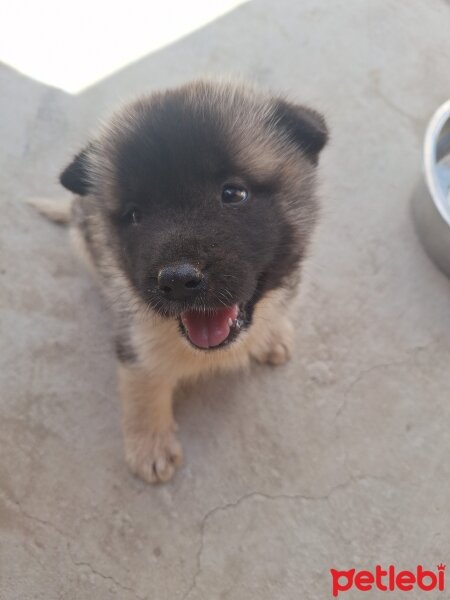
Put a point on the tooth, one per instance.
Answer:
(230, 322)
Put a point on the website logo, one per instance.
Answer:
(388, 580)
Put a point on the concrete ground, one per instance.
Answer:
(337, 460)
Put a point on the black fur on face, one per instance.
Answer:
(160, 176)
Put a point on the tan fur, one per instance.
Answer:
(165, 359)
(151, 448)
(278, 143)
(57, 211)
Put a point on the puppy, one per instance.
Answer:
(194, 207)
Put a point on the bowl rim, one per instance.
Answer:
(434, 129)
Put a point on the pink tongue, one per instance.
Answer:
(207, 330)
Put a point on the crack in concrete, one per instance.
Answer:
(361, 376)
(102, 575)
(399, 363)
(417, 121)
(346, 399)
(60, 532)
(35, 519)
(255, 494)
(352, 479)
(377, 91)
(412, 353)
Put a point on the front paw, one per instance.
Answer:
(153, 455)
(278, 350)
(279, 354)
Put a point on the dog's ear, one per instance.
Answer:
(75, 175)
(306, 127)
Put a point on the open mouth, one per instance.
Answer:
(214, 328)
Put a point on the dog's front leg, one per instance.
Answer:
(151, 448)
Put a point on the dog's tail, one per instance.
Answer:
(57, 211)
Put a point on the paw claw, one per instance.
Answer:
(153, 456)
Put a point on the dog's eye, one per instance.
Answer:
(234, 194)
(132, 216)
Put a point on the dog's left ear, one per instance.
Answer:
(75, 176)
(305, 126)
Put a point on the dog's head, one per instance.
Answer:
(208, 194)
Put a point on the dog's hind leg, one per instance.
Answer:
(58, 211)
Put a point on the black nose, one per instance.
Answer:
(179, 282)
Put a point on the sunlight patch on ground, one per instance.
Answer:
(73, 45)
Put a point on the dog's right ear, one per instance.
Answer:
(75, 176)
